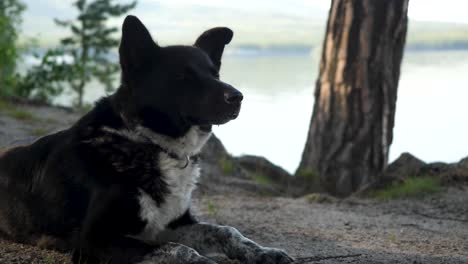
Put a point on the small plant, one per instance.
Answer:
(11, 110)
(311, 175)
(227, 165)
(39, 131)
(50, 260)
(410, 187)
(86, 108)
(22, 115)
(392, 237)
(212, 210)
(320, 198)
(4, 105)
(262, 179)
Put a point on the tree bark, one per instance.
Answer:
(351, 128)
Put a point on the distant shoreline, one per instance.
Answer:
(246, 51)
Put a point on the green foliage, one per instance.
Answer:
(82, 56)
(86, 108)
(320, 198)
(46, 80)
(39, 131)
(4, 105)
(9, 109)
(227, 165)
(308, 174)
(212, 210)
(410, 187)
(10, 20)
(262, 179)
(22, 115)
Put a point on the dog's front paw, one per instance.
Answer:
(173, 253)
(273, 256)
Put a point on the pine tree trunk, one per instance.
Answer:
(351, 128)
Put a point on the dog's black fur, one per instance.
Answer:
(79, 187)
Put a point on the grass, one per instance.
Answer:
(227, 165)
(308, 174)
(4, 105)
(320, 198)
(212, 210)
(86, 108)
(262, 179)
(21, 115)
(39, 131)
(11, 110)
(410, 187)
(50, 260)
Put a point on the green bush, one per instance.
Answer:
(311, 174)
(10, 20)
(227, 165)
(262, 179)
(82, 56)
(410, 187)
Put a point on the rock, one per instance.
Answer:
(261, 165)
(463, 164)
(408, 165)
(266, 173)
(436, 168)
(222, 173)
(216, 160)
(455, 173)
(213, 149)
(404, 166)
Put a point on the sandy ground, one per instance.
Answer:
(433, 229)
(429, 230)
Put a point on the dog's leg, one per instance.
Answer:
(209, 238)
(102, 241)
(173, 253)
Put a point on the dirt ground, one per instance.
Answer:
(428, 230)
(433, 229)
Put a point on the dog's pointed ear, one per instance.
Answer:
(213, 41)
(137, 46)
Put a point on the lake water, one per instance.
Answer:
(432, 107)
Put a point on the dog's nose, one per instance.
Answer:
(233, 97)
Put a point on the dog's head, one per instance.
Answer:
(178, 85)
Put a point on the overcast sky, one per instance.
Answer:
(175, 18)
(428, 10)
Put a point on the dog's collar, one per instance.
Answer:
(141, 137)
(171, 154)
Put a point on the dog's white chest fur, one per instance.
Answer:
(180, 180)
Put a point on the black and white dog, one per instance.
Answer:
(116, 187)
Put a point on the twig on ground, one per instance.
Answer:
(440, 218)
(421, 228)
(320, 258)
